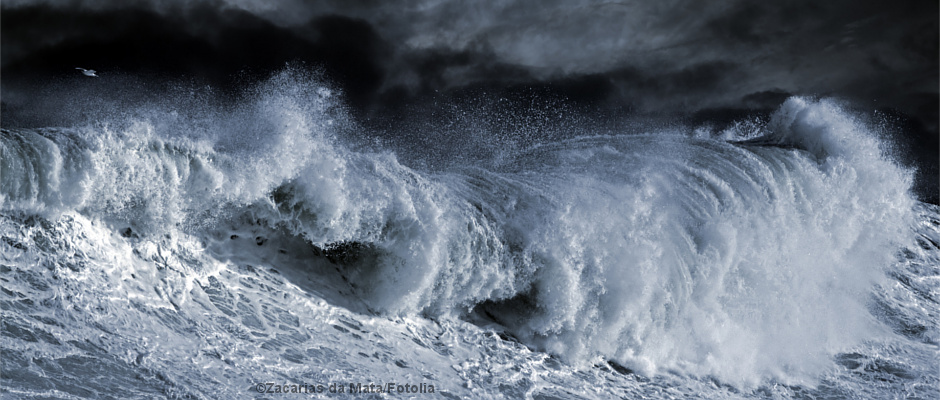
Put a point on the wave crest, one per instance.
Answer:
(660, 251)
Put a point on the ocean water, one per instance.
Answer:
(246, 250)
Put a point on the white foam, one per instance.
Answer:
(660, 251)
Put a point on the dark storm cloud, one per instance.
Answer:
(676, 54)
(200, 42)
(642, 56)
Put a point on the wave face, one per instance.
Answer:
(749, 258)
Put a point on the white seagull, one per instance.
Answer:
(87, 72)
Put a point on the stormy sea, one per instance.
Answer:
(165, 237)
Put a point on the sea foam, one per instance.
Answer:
(661, 251)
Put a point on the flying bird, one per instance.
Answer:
(87, 72)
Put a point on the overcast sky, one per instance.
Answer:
(643, 56)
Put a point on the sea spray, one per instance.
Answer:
(660, 251)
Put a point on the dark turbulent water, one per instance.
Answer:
(200, 254)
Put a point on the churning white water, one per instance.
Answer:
(199, 253)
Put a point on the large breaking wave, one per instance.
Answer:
(748, 256)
